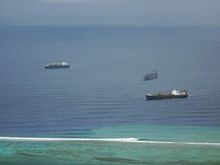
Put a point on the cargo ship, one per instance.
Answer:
(57, 65)
(150, 76)
(167, 95)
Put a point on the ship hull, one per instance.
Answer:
(150, 78)
(161, 97)
(57, 67)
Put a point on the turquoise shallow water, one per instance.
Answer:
(109, 152)
(105, 153)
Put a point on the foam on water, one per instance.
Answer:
(124, 140)
(68, 139)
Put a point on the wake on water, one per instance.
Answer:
(122, 140)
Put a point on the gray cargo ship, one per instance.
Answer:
(167, 95)
(57, 65)
(150, 76)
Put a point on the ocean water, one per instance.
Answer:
(102, 95)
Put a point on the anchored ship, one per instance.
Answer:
(57, 65)
(150, 76)
(167, 95)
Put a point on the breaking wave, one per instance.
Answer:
(122, 140)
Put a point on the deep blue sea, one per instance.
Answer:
(103, 92)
